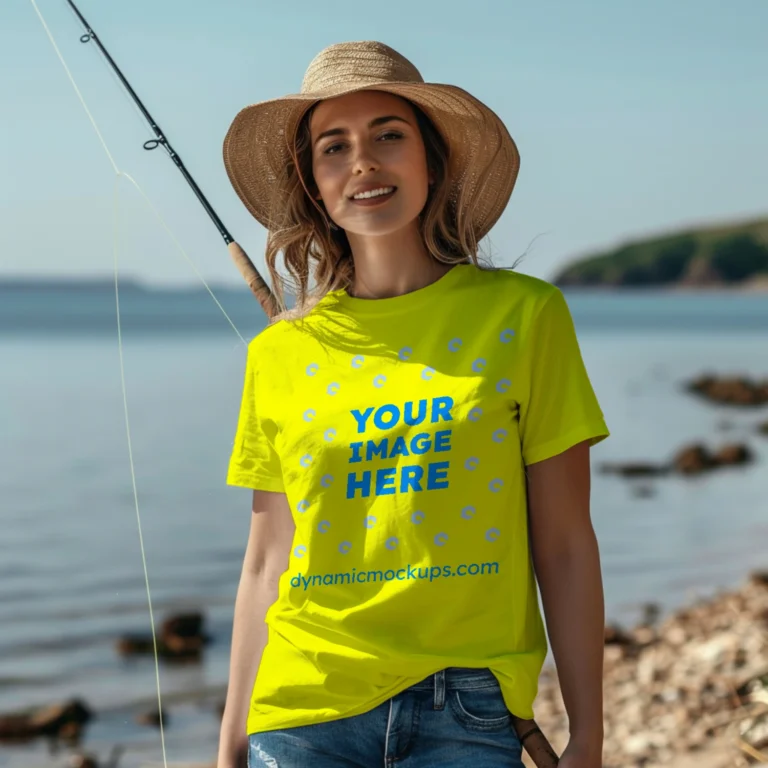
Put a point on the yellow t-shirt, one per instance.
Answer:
(399, 429)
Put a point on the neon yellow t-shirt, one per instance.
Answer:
(399, 429)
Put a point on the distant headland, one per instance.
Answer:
(725, 256)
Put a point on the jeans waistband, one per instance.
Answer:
(458, 678)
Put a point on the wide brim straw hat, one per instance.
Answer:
(483, 158)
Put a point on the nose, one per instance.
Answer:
(364, 160)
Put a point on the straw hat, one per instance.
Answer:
(256, 147)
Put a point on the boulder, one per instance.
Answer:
(63, 721)
(153, 718)
(181, 637)
(736, 454)
(731, 390)
(693, 460)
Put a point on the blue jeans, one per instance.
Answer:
(456, 717)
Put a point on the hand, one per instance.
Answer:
(581, 755)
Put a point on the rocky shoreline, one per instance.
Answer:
(688, 690)
(691, 690)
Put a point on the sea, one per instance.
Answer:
(71, 573)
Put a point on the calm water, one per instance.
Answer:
(70, 567)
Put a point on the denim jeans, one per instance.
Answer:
(456, 717)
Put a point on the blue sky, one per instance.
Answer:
(631, 118)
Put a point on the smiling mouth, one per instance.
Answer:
(373, 196)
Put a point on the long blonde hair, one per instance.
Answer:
(311, 246)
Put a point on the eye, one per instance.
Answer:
(391, 135)
(331, 148)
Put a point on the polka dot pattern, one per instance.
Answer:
(477, 366)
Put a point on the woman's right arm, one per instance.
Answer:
(266, 559)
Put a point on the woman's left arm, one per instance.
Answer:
(567, 564)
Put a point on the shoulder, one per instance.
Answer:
(267, 342)
(525, 292)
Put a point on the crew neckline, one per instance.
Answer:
(406, 301)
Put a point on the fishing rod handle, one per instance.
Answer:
(259, 288)
(535, 743)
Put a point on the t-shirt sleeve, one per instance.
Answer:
(561, 408)
(254, 463)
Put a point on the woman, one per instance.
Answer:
(416, 433)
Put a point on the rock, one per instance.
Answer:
(180, 638)
(635, 469)
(152, 717)
(63, 721)
(131, 645)
(82, 760)
(733, 455)
(615, 635)
(651, 614)
(762, 429)
(693, 460)
(759, 578)
(693, 687)
(183, 625)
(730, 390)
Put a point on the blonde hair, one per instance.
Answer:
(309, 244)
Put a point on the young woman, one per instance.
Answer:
(416, 433)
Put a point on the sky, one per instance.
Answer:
(631, 118)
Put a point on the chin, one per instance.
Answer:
(378, 226)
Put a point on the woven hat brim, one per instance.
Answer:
(257, 147)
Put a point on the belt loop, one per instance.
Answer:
(440, 689)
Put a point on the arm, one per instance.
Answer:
(266, 559)
(567, 565)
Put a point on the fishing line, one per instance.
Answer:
(116, 218)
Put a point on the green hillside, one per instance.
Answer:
(708, 256)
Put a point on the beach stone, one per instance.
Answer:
(152, 717)
(733, 455)
(683, 693)
(181, 638)
(759, 578)
(64, 721)
(692, 460)
(183, 625)
(615, 635)
(634, 469)
(731, 390)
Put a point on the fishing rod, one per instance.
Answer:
(245, 266)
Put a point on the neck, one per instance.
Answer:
(392, 265)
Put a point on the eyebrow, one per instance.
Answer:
(372, 124)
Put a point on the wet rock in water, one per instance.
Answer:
(63, 721)
(733, 455)
(181, 638)
(153, 718)
(183, 625)
(693, 459)
(83, 761)
(690, 460)
(762, 429)
(130, 645)
(634, 469)
(730, 390)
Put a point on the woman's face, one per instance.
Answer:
(363, 143)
